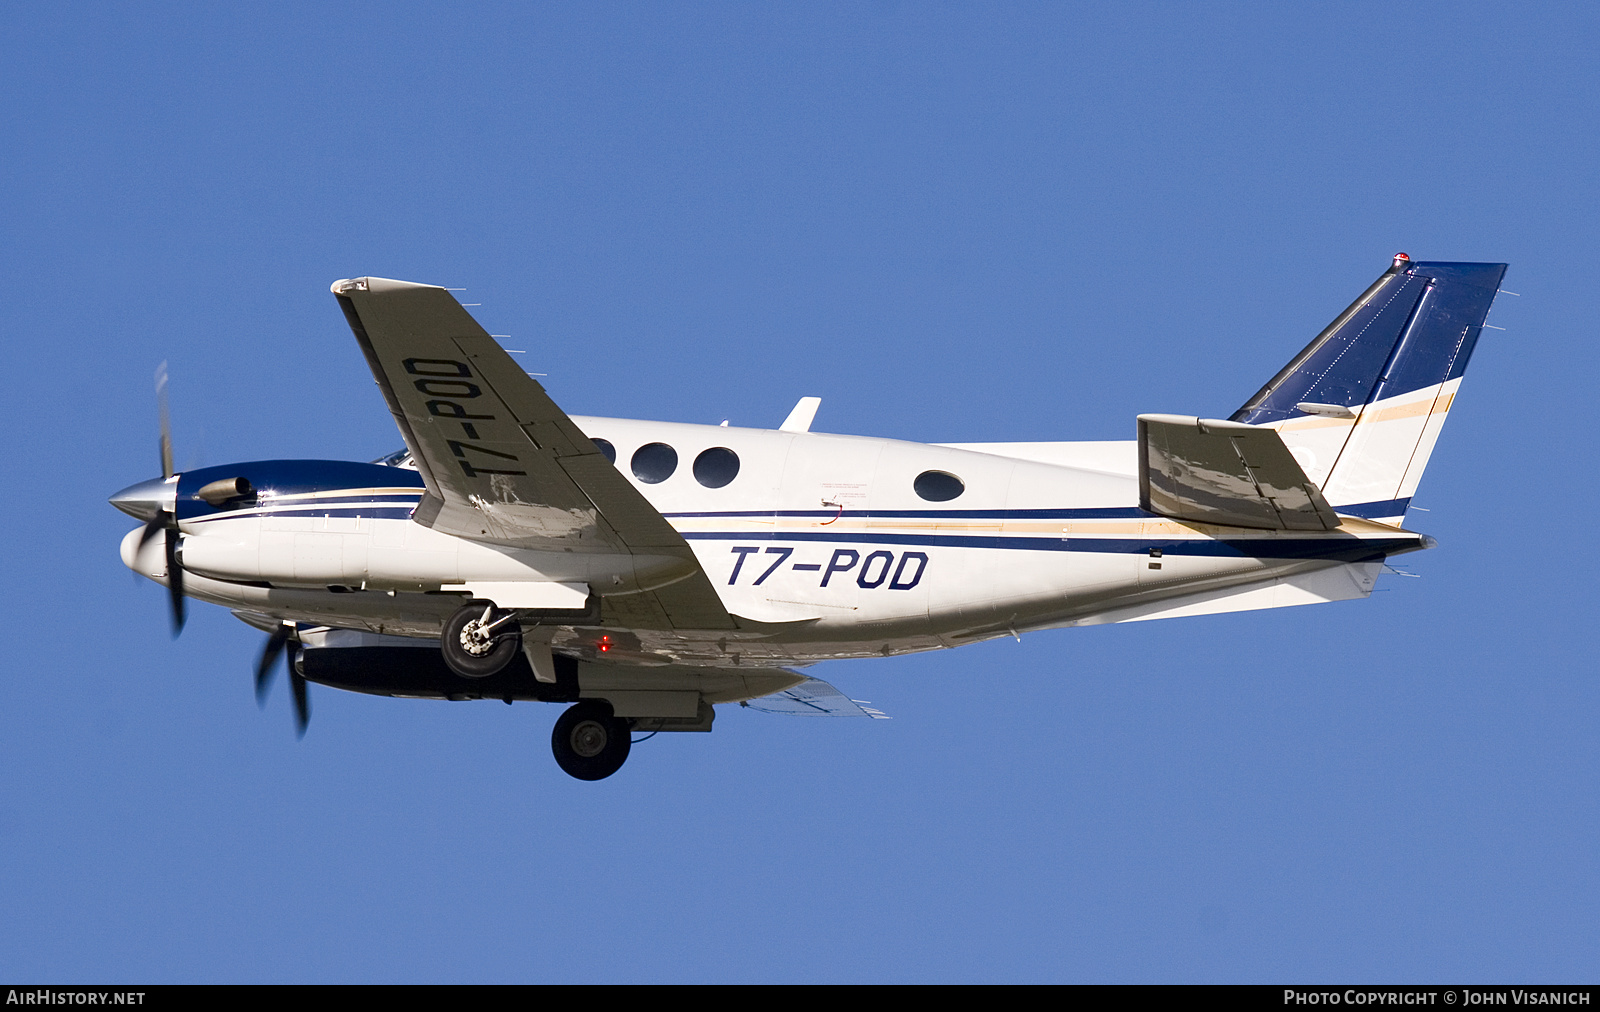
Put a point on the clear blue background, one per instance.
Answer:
(952, 222)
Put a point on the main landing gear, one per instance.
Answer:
(590, 742)
(480, 640)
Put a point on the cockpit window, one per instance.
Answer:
(399, 458)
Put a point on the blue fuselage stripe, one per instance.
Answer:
(1344, 549)
(398, 512)
(1390, 508)
(1094, 513)
(400, 506)
(1367, 510)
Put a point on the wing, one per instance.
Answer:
(502, 463)
(1226, 473)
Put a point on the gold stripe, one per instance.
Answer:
(1413, 409)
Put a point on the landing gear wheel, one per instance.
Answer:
(589, 742)
(480, 640)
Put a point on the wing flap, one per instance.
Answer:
(1227, 473)
(637, 524)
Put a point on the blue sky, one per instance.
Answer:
(951, 222)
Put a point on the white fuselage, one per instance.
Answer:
(820, 546)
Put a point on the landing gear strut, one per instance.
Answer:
(589, 742)
(480, 640)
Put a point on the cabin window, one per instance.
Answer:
(716, 467)
(606, 449)
(938, 486)
(654, 463)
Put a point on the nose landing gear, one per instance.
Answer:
(589, 742)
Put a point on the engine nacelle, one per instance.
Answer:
(403, 556)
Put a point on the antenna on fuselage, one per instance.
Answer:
(799, 420)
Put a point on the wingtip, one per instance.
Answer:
(345, 286)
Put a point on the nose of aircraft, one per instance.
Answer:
(148, 498)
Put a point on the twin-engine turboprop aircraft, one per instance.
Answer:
(646, 571)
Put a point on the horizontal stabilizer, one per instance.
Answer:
(1227, 473)
(815, 698)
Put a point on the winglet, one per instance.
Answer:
(800, 418)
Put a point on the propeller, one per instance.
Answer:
(165, 522)
(284, 640)
(166, 420)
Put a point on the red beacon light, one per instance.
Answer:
(604, 644)
(1401, 258)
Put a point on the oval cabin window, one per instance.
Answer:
(654, 463)
(716, 467)
(606, 449)
(938, 486)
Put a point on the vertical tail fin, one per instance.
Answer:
(1362, 405)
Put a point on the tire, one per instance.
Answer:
(456, 641)
(589, 743)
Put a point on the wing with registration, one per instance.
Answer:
(502, 463)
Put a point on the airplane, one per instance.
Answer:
(645, 572)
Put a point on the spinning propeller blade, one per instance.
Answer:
(284, 641)
(302, 702)
(166, 420)
(154, 526)
(164, 521)
(269, 657)
(175, 580)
